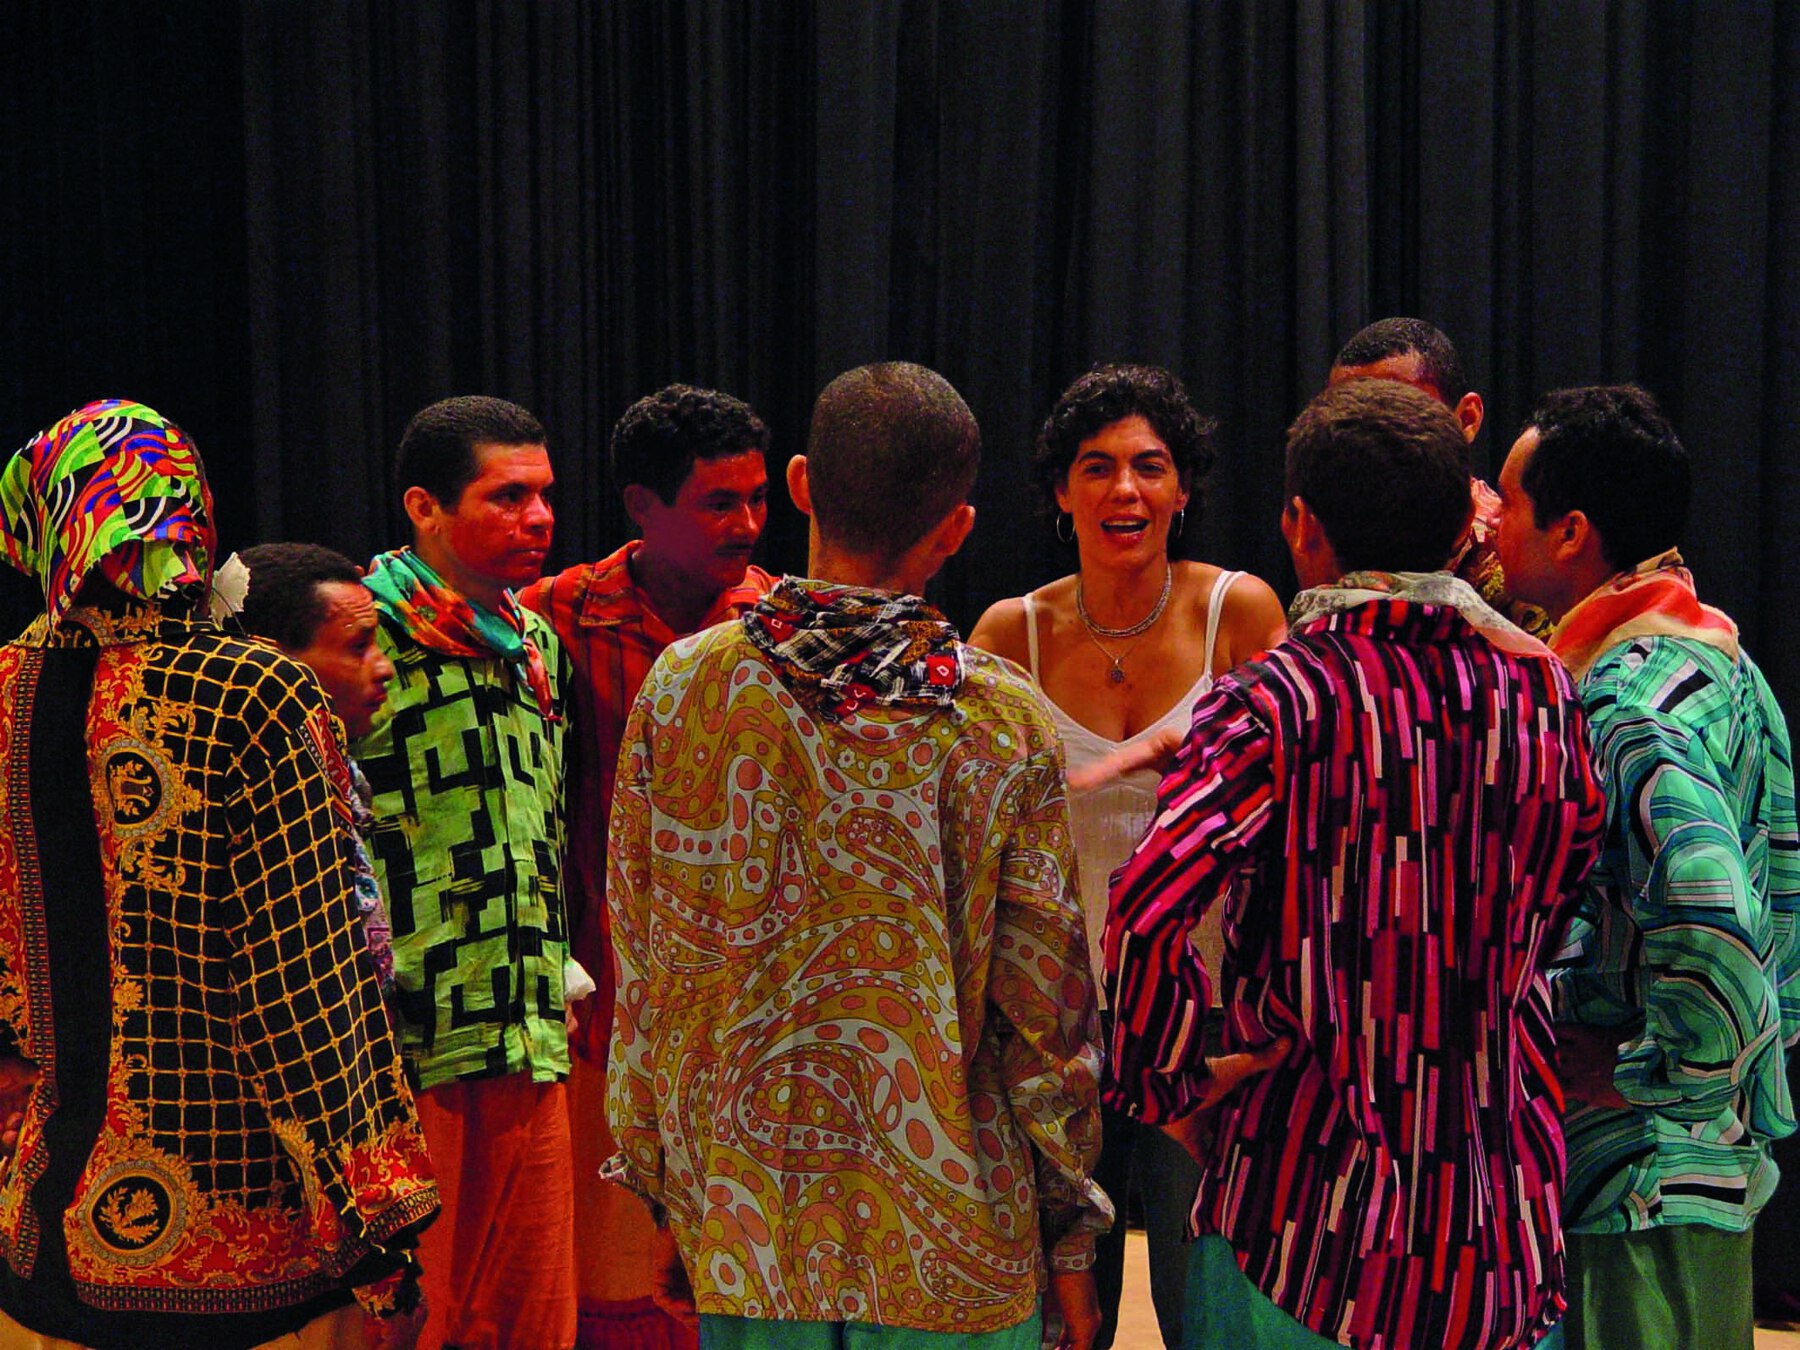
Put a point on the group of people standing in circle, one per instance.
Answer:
(661, 950)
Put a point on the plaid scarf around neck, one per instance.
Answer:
(1654, 599)
(841, 647)
(411, 593)
(1419, 588)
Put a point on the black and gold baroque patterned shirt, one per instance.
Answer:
(222, 1142)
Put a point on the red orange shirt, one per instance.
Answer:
(605, 622)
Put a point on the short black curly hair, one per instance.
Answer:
(1111, 393)
(661, 435)
(1439, 365)
(1382, 466)
(283, 603)
(1609, 452)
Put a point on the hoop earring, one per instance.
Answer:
(1181, 522)
(1068, 538)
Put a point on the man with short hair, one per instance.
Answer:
(1415, 352)
(1678, 981)
(466, 763)
(689, 464)
(1394, 807)
(311, 603)
(218, 1147)
(852, 1057)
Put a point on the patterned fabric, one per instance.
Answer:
(112, 486)
(1654, 598)
(376, 929)
(1687, 939)
(837, 646)
(853, 1045)
(1477, 561)
(467, 776)
(1415, 588)
(1395, 814)
(222, 1140)
(414, 598)
(612, 636)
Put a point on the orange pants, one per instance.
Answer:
(498, 1265)
(612, 1237)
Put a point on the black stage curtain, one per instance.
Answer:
(291, 225)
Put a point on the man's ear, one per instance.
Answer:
(1297, 520)
(953, 532)
(1573, 538)
(421, 507)
(799, 488)
(1469, 412)
(637, 499)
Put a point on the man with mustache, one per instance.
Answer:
(689, 465)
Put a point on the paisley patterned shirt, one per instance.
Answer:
(221, 1141)
(853, 1045)
(1395, 814)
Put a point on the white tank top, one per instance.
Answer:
(1108, 821)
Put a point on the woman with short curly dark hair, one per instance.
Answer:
(1122, 649)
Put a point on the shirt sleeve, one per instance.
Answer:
(1213, 811)
(1041, 986)
(320, 1059)
(1707, 974)
(630, 1084)
(1783, 861)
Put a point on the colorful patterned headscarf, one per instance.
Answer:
(113, 486)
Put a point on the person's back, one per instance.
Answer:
(1393, 808)
(1656, 697)
(218, 1090)
(872, 881)
(1426, 830)
(852, 1059)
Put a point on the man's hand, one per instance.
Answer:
(18, 1079)
(1585, 1059)
(1157, 752)
(1072, 1293)
(1194, 1133)
(399, 1332)
(669, 1282)
(1230, 1072)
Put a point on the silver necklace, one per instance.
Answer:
(1096, 631)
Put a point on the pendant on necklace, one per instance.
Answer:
(1116, 674)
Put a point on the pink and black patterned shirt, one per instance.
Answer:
(1395, 814)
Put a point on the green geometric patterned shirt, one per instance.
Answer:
(1686, 941)
(468, 783)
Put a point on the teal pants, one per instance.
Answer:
(1680, 1285)
(753, 1333)
(1225, 1311)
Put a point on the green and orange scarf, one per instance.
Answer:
(1655, 599)
(409, 591)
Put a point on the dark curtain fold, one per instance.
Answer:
(293, 225)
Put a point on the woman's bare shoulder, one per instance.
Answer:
(1001, 630)
(1252, 619)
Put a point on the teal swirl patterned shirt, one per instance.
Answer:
(467, 776)
(1686, 941)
